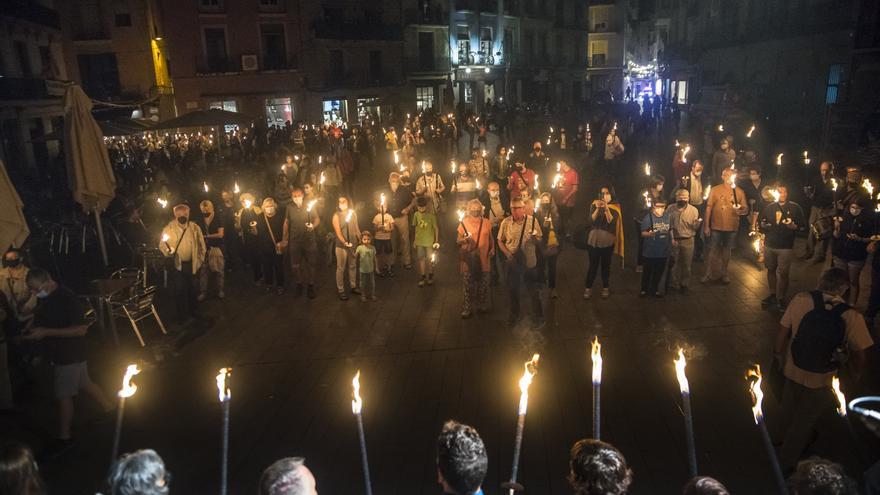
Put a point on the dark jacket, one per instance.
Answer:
(779, 235)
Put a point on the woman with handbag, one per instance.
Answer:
(271, 244)
(548, 216)
(475, 249)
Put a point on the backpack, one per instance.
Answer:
(819, 337)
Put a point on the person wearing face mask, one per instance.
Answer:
(213, 230)
(656, 248)
(849, 249)
(478, 166)
(13, 286)
(184, 242)
(779, 221)
(819, 191)
(518, 236)
(852, 191)
(684, 221)
(548, 216)
(650, 196)
(604, 238)
(500, 167)
(613, 151)
(59, 322)
(696, 183)
(475, 251)
(464, 187)
(723, 158)
(538, 159)
(565, 193)
(521, 177)
(383, 225)
(271, 243)
(430, 186)
(300, 233)
(724, 208)
(400, 202)
(752, 188)
(496, 207)
(347, 235)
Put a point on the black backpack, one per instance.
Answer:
(819, 336)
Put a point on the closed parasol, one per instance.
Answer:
(13, 227)
(88, 165)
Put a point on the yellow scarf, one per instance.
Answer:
(618, 243)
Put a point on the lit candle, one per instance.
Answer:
(461, 222)
(235, 188)
(205, 185)
(751, 130)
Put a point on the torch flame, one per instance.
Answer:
(235, 188)
(596, 356)
(478, 183)
(841, 399)
(348, 217)
(706, 194)
(756, 245)
(558, 166)
(382, 200)
(433, 258)
(311, 205)
(720, 127)
(536, 182)
(806, 157)
(356, 402)
(757, 393)
(162, 202)
(460, 215)
(247, 204)
(751, 130)
(647, 199)
(396, 158)
(205, 185)
(647, 168)
(677, 144)
(452, 166)
(128, 387)
(223, 392)
(557, 179)
(165, 237)
(531, 367)
(684, 154)
(322, 179)
(779, 159)
(833, 184)
(868, 187)
(680, 364)
(775, 193)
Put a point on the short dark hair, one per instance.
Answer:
(816, 476)
(18, 470)
(139, 473)
(656, 179)
(421, 201)
(755, 168)
(833, 281)
(37, 276)
(461, 457)
(704, 485)
(283, 477)
(597, 468)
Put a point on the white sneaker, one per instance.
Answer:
(588, 293)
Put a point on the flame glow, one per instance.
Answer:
(322, 179)
(310, 205)
(348, 216)
(128, 386)
(684, 154)
(680, 365)
(382, 200)
(248, 204)
(557, 180)
(720, 127)
(751, 130)
(779, 159)
(706, 194)
(536, 182)
(205, 185)
(460, 215)
(806, 157)
(776, 195)
(756, 245)
(452, 167)
(868, 186)
(757, 393)
(841, 399)
(596, 356)
(478, 183)
(647, 168)
(356, 402)
(526, 380)
(647, 199)
(235, 188)
(833, 184)
(162, 202)
(165, 237)
(223, 392)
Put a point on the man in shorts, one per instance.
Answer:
(59, 321)
(427, 238)
(725, 206)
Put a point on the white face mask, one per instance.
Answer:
(494, 194)
(395, 185)
(270, 210)
(698, 173)
(343, 207)
(298, 201)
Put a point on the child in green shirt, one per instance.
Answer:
(426, 241)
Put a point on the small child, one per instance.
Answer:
(426, 241)
(366, 254)
(384, 225)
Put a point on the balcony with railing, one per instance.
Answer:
(279, 62)
(218, 65)
(426, 64)
(431, 17)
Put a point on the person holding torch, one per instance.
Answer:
(780, 221)
(383, 225)
(724, 207)
(246, 225)
(347, 234)
(518, 236)
(301, 221)
(183, 241)
(475, 248)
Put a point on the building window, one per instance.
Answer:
(24, 59)
(507, 48)
(368, 108)
(424, 98)
(272, 5)
(337, 64)
(464, 46)
(335, 111)
(274, 47)
(216, 59)
(211, 5)
(278, 111)
(426, 50)
(99, 74)
(598, 53)
(375, 65)
(835, 75)
(468, 92)
(486, 40)
(227, 105)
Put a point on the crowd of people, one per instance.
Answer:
(462, 461)
(281, 202)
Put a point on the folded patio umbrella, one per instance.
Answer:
(13, 227)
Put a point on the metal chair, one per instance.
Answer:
(136, 307)
(129, 273)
